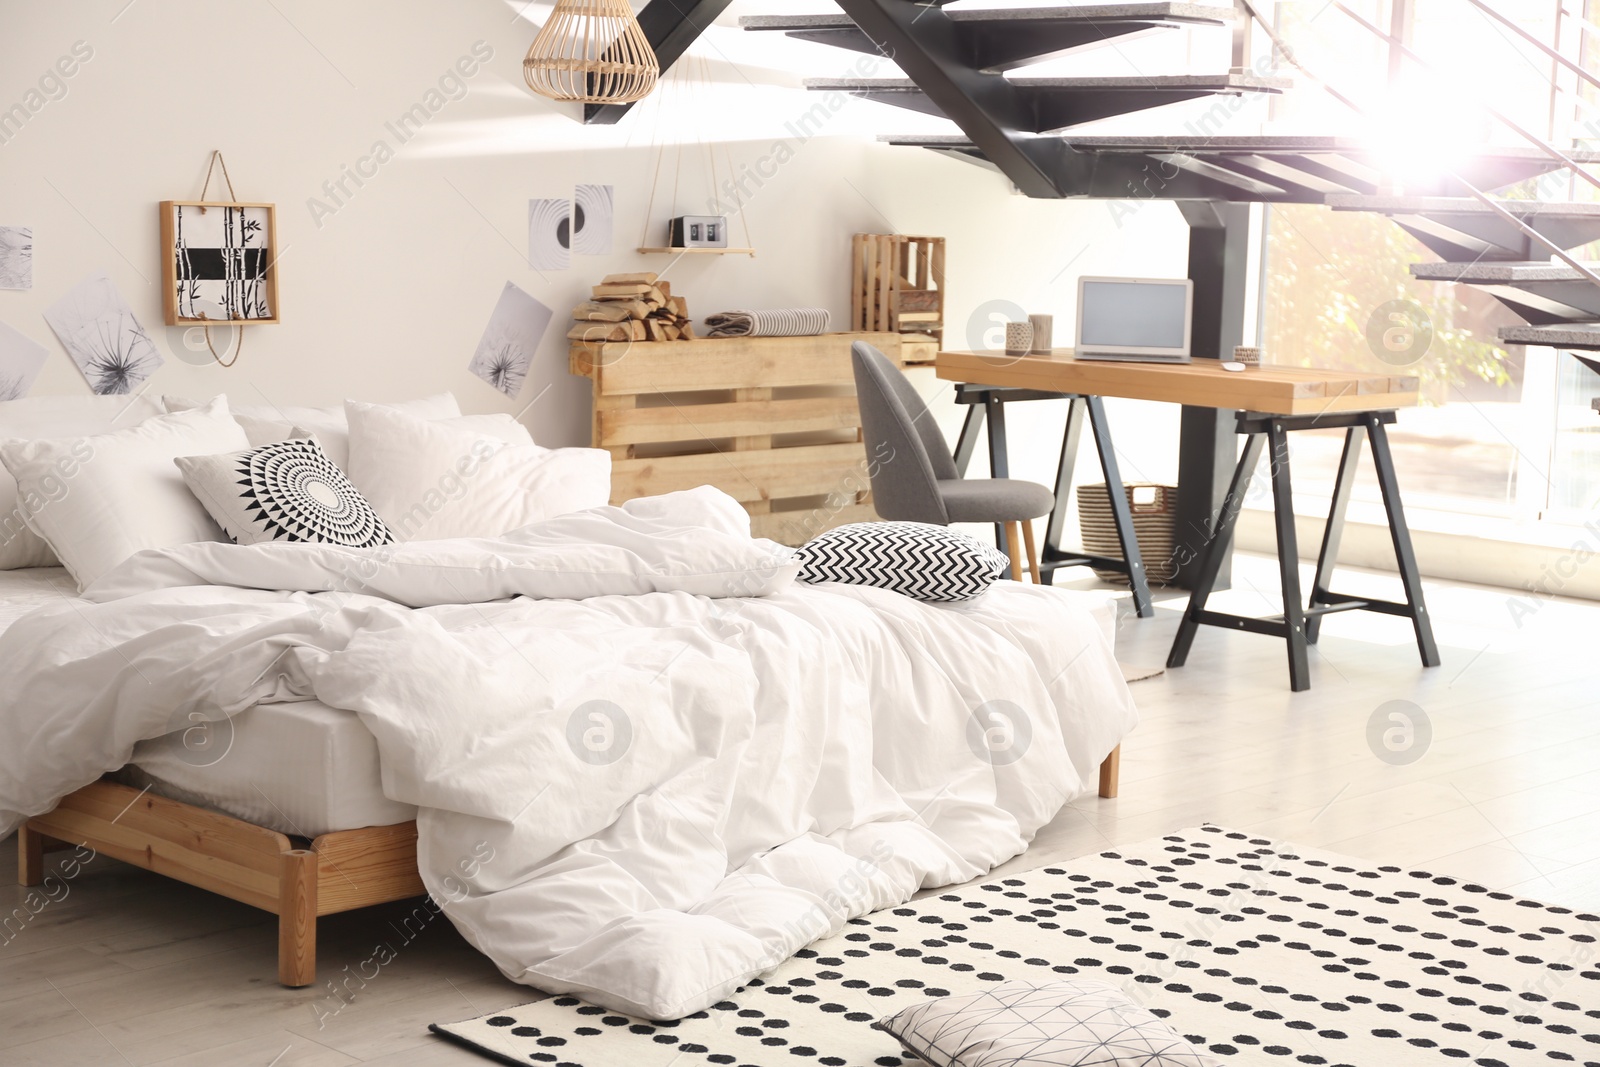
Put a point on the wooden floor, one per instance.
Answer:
(127, 967)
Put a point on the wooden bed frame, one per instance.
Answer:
(293, 878)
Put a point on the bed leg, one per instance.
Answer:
(297, 918)
(30, 856)
(1110, 773)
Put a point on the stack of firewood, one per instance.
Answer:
(632, 307)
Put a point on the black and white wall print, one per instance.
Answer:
(505, 354)
(222, 255)
(16, 257)
(549, 234)
(592, 214)
(21, 357)
(99, 331)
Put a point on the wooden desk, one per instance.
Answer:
(1203, 383)
(1271, 402)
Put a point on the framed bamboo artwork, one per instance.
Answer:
(219, 263)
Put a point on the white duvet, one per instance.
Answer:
(657, 772)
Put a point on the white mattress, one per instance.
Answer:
(302, 769)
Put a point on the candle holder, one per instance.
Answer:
(1019, 338)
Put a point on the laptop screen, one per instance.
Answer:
(1120, 315)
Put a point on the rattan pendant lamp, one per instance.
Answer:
(592, 52)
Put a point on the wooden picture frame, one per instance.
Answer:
(231, 278)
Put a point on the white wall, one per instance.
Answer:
(388, 295)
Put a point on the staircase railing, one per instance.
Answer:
(1554, 53)
(1494, 205)
(1526, 134)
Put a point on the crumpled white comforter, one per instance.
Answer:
(657, 780)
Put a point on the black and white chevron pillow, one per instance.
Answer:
(917, 559)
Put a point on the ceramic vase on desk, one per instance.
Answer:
(1043, 333)
(1019, 338)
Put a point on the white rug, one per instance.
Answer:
(1258, 952)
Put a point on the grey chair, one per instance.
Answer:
(915, 479)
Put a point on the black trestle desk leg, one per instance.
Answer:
(967, 443)
(1121, 514)
(1328, 558)
(999, 460)
(1215, 550)
(1404, 554)
(1294, 619)
(1077, 409)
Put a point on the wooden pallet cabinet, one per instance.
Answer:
(772, 421)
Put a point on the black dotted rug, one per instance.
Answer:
(1252, 949)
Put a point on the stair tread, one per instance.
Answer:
(1154, 144)
(1164, 81)
(1091, 12)
(1444, 205)
(1151, 9)
(1255, 144)
(1488, 270)
(1575, 334)
(836, 21)
(951, 140)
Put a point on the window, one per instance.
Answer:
(1505, 433)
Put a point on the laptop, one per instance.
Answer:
(1141, 320)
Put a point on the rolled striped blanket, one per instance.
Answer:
(779, 322)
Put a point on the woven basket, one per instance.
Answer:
(1154, 510)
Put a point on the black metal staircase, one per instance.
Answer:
(955, 65)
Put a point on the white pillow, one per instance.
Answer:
(47, 417)
(1065, 1023)
(269, 424)
(431, 480)
(105, 497)
(499, 427)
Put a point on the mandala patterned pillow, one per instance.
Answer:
(1017, 1024)
(287, 491)
(919, 560)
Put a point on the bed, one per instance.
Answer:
(285, 811)
(282, 809)
(790, 756)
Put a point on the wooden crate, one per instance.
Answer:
(897, 285)
(771, 421)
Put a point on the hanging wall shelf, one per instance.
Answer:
(689, 85)
(696, 251)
